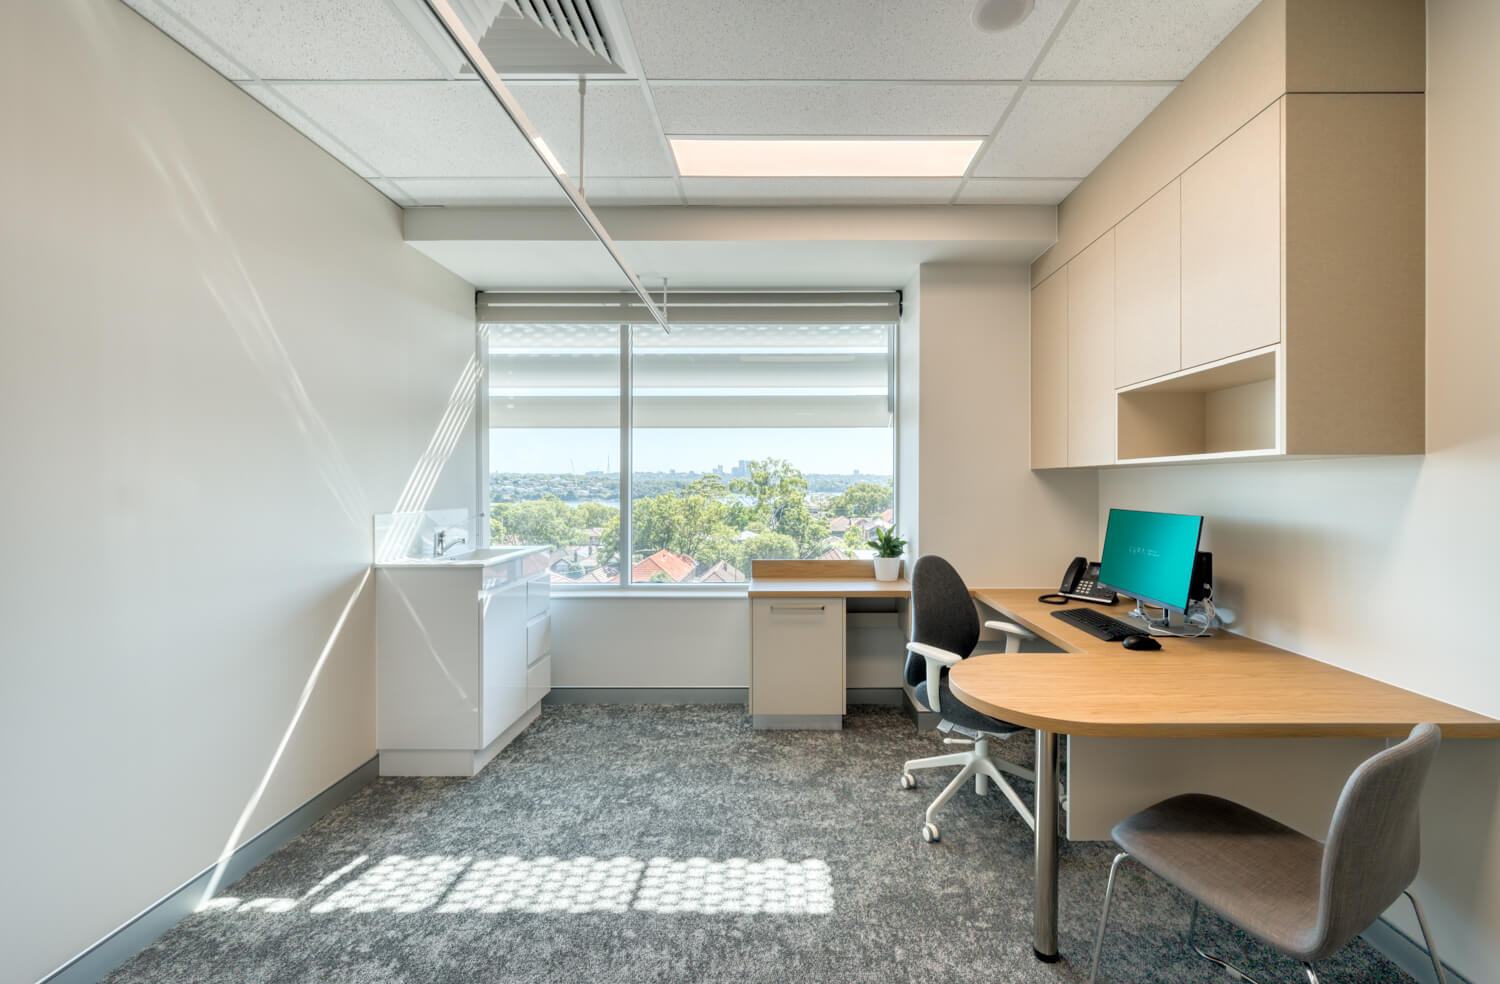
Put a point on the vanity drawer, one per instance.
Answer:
(538, 680)
(538, 595)
(538, 639)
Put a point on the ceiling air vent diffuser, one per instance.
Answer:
(539, 37)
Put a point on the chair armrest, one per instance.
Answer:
(936, 659)
(1013, 634)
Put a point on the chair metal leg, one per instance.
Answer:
(1225, 965)
(939, 761)
(954, 786)
(1312, 975)
(1437, 965)
(1109, 891)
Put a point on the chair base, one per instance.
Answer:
(976, 764)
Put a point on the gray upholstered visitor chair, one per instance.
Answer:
(1304, 898)
(945, 631)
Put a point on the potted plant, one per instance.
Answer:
(888, 549)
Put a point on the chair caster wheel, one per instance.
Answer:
(908, 781)
(930, 833)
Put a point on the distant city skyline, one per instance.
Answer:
(840, 451)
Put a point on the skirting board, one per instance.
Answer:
(140, 932)
(1407, 953)
(889, 696)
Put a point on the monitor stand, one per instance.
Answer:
(1139, 618)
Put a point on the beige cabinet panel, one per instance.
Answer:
(796, 656)
(1148, 289)
(1091, 354)
(1231, 244)
(1049, 372)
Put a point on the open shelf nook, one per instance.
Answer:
(1228, 408)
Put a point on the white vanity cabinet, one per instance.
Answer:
(463, 658)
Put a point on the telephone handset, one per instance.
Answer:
(1080, 583)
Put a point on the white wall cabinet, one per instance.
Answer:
(1148, 289)
(1231, 244)
(1049, 372)
(1296, 324)
(1091, 354)
(463, 657)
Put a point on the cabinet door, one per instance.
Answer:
(1091, 354)
(503, 676)
(797, 655)
(1148, 289)
(1049, 372)
(1231, 244)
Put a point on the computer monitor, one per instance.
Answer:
(1150, 556)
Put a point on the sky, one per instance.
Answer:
(838, 451)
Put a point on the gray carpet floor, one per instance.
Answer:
(636, 844)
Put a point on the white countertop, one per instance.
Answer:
(483, 557)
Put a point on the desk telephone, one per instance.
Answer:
(1080, 583)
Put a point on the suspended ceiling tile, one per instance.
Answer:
(176, 28)
(1016, 191)
(1128, 40)
(818, 191)
(428, 129)
(830, 109)
(1066, 130)
(621, 139)
(313, 39)
(273, 99)
(831, 39)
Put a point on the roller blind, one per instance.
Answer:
(850, 307)
(720, 375)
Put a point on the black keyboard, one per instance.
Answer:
(1097, 624)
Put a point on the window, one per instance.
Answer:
(746, 440)
(555, 445)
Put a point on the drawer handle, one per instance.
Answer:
(797, 608)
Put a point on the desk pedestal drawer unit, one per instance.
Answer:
(797, 662)
(463, 659)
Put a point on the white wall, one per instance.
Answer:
(1381, 565)
(979, 503)
(219, 359)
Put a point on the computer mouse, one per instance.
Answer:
(1140, 642)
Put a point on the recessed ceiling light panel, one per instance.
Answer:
(730, 157)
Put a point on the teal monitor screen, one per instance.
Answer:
(1149, 555)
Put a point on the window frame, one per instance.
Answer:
(625, 586)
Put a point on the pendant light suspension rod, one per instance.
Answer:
(455, 29)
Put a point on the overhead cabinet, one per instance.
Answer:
(1268, 301)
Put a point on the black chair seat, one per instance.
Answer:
(961, 714)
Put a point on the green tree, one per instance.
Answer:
(854, 539)
(588, 515)
(547, 520)
(766, 546)
(778, 497)
(691, 525)
(862, 499)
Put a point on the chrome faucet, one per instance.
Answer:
(440, 542)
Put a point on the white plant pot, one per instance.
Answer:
(887, 568)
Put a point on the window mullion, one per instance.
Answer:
(627, 535)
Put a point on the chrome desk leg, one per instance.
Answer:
(1044, 905)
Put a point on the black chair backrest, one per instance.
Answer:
(942, 613)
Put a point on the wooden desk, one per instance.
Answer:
(784, 587)
(1221, 686)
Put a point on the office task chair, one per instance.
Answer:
(944, 631)
(1304, 898)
